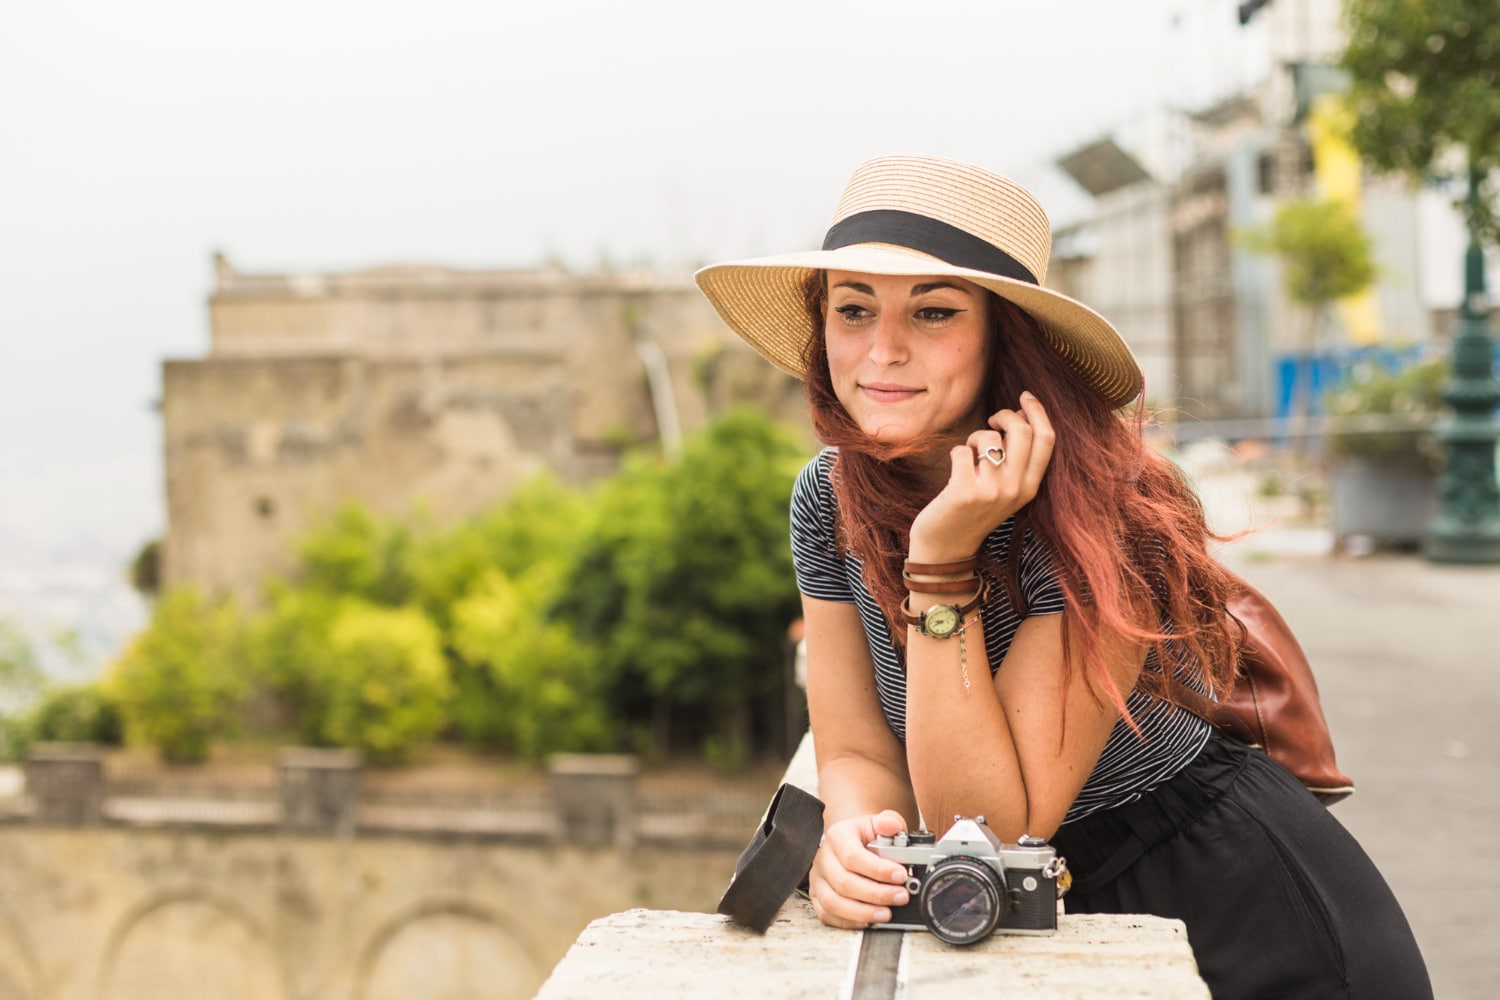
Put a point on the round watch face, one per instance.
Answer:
(941, 621)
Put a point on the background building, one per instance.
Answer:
(424, 388)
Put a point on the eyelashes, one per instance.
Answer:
(928, 315)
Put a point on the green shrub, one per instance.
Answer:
(76, 713)
(1387, 415)
(526, 683)
(358, 554)
(684, 583)
(385, 680)
(537, 526)
(180, 682)
(288, 651)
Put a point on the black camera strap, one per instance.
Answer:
(776, 860)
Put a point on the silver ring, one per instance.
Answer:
(995, 455)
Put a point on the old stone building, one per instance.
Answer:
(430, 387)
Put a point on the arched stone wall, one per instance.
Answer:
(188, 943)
(123, 914)
(451, 949)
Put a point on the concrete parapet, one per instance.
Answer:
(594, 798)
(319, 790)
(672, 954)
(66, 784)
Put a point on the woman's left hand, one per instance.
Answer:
(995, 473)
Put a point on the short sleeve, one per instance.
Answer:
(821, 573)
(1040, 585)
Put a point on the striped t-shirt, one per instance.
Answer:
(1130, 764)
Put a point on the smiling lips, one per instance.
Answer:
(886, 392)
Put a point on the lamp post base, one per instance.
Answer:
(1463, 543)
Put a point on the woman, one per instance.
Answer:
(1005, 591)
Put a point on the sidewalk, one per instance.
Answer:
(1407, 655)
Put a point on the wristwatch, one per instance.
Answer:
(941, 621)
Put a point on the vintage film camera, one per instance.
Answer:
(969, 883)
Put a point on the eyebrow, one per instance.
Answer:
(934, 285)
(922, 289)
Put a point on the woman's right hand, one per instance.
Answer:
(849, 884)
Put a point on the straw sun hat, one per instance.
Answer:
(919, 215)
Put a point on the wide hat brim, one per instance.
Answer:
(763, 300)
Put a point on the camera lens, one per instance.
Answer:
(960, 901)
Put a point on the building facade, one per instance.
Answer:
(424, 388)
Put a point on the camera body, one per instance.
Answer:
(968, 884)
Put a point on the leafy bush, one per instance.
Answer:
(358, 554)
(536, 527)
(1386, 415)
(384, 678)
(288, 652)
(684, 582)
(180, 682)
(73, 713)
(527, 683)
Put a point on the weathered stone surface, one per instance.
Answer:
(319, 790)
(664, 953)
(669, 954)
(1091, 957)
(594, 797)
(66, 784)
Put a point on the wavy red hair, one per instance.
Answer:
(1125, 529)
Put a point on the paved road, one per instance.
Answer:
(1407, 656)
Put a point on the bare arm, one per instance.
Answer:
(1000, 750)
(1016, 751)
(862, 776)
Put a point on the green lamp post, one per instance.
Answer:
(1467, 527)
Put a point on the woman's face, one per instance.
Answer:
(908, 356)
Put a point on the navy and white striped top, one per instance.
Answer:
(1129, 766)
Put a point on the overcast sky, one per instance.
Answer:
(136, 138)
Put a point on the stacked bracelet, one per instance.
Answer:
(964, 586)
(959, 577)
(943, 621)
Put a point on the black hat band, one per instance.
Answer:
(927, 235)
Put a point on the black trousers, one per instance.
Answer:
(1280, 902)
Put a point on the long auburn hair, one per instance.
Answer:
(1126, 532)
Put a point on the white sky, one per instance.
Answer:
(135, 138)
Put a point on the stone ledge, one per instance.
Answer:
(672, 954)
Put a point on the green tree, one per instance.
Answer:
(288, 645)
(180, 682)
(1325, 255)
(386, 680)
(145, 569)
(70, 713)
(537, 526)
(359, 554)
(1425, 90)
(685, 583)
(525, 681)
